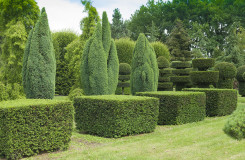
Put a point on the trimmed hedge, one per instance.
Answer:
(166, 85)
(163, 79)
(220, 102)
(225, 84)
(124, 78)
(116, 116)
(180, 79)
(226, 70)
(242, 88)
(203, 63)
(204, 76)
(162, 62)
(75, 93)
(32, 126)
(240, 71)
(125, 49)
(181, 64)
(123, 84)
(165, 71)
(179, 107)
(161, 49)
(235, 126)
(185, 71)
(124, 69)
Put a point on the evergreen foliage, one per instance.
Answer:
(239, 77)
(61, 40)
(124, 76)
(161, 50)
(179, 43)
(99, 68)
(144, 76)
(125, 49)
(39, 66)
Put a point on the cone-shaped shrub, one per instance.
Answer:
(227, 73)
(99, 67)
(239, 77)
(39, 65)
(144, 75)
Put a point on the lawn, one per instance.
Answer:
(201, 140)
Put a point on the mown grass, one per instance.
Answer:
(201, 140)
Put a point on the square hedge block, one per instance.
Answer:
(115, 115)
(30, 126)
(220, 102)
(178, 107)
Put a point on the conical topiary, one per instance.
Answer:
(39, 65)
(165, 72)
(144, 75)
(100, 67)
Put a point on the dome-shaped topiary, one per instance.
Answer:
(226, 70)
(162, 62)
(124, 69)
(161, 50)
(203, 63)
(240, 71)
(75, 93)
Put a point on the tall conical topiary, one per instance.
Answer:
(144, 75)
(39, 65)
(100, 66)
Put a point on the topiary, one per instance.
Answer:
(75, 93)
(162, 62)
(124, 69)
(124, 77)
(227, 72)
(161, 50)
(144, 76)
(202, 64)
(239, 77)
(39, 64)
(125, 49)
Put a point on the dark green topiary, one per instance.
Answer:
(235, 126)
(124, 76)
(239, 77)
(144, 76)
(162, 62)
(181, 64)
(124, 69)
(227, 72)
(99, 67)
(203, 63)
(39, 66)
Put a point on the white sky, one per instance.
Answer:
(66, 14)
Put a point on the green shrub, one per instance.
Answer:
(32, 126)
(180, 79)
(179, 72)
(241, 88)
(126, 90)
(226, 70)
(203, 63)
(179, 107)
(161, 50)
(235, 125)
(123, 84)
(124, 69)
(125, 49)
(225, 84)
(240, 71)
(124, 78)
(220, 102)
(145, 72)
(10, 92)
(116, 116)
(204, 76)
(163, 79)
(75, 93)
(181, 64)
(162, 62)
(165, 85)
(39, 64)
(165, 71)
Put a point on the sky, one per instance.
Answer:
(67, 14)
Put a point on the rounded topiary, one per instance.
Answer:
(124, 69)
(203, 63)
(125, 49)
(181, 64)
(75, 93)
(161, 50)
(240, 71)
(162, 62)
(204, 76)
(235, 126)
(226, 70)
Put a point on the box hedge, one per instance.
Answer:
(181, 64)
(182, 71)
(32, 126)
(204, 76)
(179, 107)
(220, 102)
(165, 71)
(116, 116)
(180, 79)
(203, 63)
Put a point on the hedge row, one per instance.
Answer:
(181, 64)
(220, 102)
(180, 79)
(204, 76)
(32, 126)
(203, 63)
(179, 107)
(116, 116)
(185, 71)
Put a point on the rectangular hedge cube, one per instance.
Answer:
(220, 102)
(28, 127)
(116, 116)
(179, 107)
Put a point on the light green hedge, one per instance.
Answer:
(116, 116)
(179, 107)
(29, 127)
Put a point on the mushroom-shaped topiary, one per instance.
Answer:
(124, 76)
(162, 62)
(124, 69)
(202, 64)
(227, 73)
(239, 77)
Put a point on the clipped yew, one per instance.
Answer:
(100, 67)
(165, 72)
(144, 75)
(124, 76)
(241, 80)
(203, 78)
(227, 73)
(39, 64)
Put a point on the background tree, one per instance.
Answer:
(39, 66)
(144, 75)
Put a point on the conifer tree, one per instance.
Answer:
(100, 66)
(39, 66)
(144, 75)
